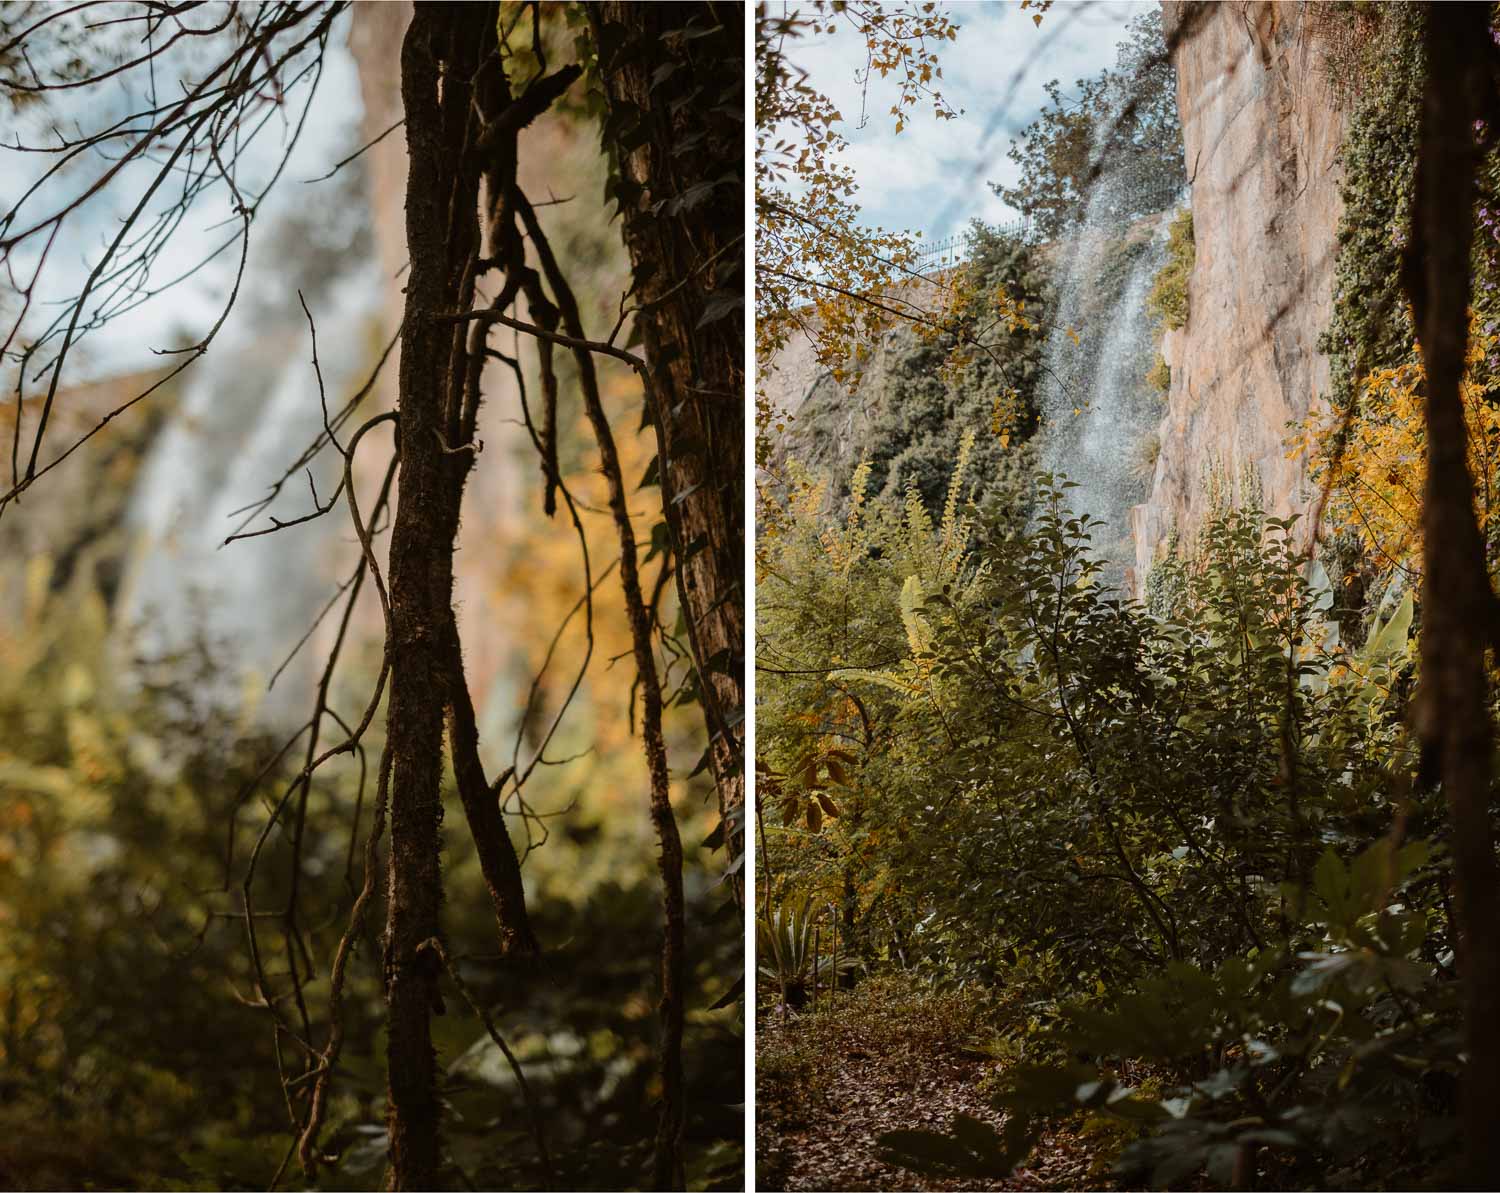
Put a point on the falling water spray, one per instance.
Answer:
(1097, 408)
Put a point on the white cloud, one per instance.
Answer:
(934, 176)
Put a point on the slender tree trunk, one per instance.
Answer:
(439, 58)
(682, 196)
(668, 1171)
(1457, 601)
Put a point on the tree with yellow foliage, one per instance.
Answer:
(1376, 480)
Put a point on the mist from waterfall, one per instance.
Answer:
(1098, 411)
(247, 411)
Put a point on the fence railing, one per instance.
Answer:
(956, 249)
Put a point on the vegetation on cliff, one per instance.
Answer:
(911, 403)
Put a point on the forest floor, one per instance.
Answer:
(828, 1085)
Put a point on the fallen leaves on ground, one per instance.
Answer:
(866, 1086)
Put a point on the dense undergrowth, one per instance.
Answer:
(136, 1053)
(1189, 844)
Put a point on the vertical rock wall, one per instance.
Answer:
(1262, 132)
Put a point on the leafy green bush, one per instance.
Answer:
(1156, 827)
(1309, 1058)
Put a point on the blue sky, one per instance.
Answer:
(126, 341)
(933, 177)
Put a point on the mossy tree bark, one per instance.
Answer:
(440, 58)
(681, 192)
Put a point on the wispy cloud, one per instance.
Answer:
(933, 176)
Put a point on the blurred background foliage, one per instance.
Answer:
(133, 1053)
(132, 1056)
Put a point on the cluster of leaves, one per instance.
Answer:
(834, 604)
(1293, 1062)
(1153, 824)
(788, 950)
(1126, 116)
(1376, 468)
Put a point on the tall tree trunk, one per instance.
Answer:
(1457, 602)
(682, 197)
(439, 58)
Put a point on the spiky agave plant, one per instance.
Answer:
(784, 950)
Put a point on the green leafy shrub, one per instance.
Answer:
(1306, 1060)
(122, 948)
(1168, 299)
(1156, 827)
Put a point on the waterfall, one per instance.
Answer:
(246, 412)
(1098, 411)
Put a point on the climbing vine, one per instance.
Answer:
(1371, 327)
(1370, 448)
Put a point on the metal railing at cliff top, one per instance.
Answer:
(937, 255)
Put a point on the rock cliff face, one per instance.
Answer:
(1262, 132)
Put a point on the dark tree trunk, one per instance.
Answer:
(682, 197)
(1457, 602)
(439, 58)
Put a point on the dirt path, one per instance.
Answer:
(829, 1141)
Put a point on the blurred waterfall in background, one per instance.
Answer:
(247, 412)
